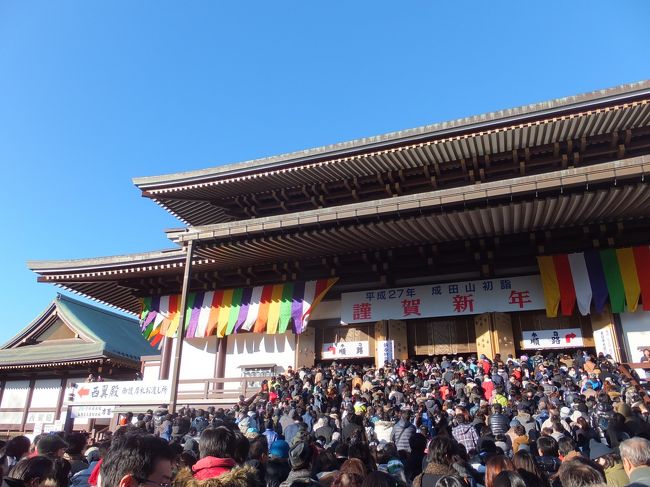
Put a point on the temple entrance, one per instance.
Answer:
(441, 336)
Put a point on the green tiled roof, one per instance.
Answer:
(105, 333)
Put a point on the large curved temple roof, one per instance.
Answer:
(578, 130)
(478, 196)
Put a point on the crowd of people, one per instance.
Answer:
(546, 420)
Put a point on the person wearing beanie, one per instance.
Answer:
(279, 449)
(300, 455)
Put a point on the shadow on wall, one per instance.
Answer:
(257, 342)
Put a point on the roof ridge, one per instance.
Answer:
(62, 297)
(327, 150)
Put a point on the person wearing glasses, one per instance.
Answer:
(137, 459)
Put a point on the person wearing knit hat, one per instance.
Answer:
(279, 449)
(300, 454)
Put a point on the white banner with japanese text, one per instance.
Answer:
(604, 341)
(450, 299)
(40, 417)
(93, 412)
(385, 351)
(343, 350)
(119, 393)
(565, 338)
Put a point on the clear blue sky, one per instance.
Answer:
(95, 93)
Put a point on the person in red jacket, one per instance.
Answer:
(485, 363)
(216, 447)
(488, 387)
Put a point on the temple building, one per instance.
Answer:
(67, 345)
(507, 232)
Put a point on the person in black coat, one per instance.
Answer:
(498, 422)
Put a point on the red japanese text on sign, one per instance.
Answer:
(463, 303)
(411, 307)
(362, 311)
(520, 298)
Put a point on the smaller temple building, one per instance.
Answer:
(69, 342)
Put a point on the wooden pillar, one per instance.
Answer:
(306, 348)
(380, 336)
(484, 341)
(220, 362)
(28, 403)
(502, 335)
(180, 334)
(623, 347)
(2, 389)
(494, 335)
(397, 333)
(165, 358)
(61, 398)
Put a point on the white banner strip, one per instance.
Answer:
(450, 299)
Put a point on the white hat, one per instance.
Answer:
(575, 415)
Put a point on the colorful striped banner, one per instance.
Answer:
(550, 285)
(581, 283)
(268, 308)
(224, 313)
(253, 308)
(630, 278)
(642, 260)
(285, 307)
(594, 276)
(565, 283)
(596, 279)
(263, 311)
(614, 280)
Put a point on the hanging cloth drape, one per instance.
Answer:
(222, 312)
(594, 276)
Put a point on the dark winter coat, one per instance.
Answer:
(499, 424)
(402, 432)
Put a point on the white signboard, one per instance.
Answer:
(385, 351)
(119, 393)
(604, 341)
(343, 350)
(450, 299)
(40, 417)
(96, 412)
(38, 429)
(539, 339)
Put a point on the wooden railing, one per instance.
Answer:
(216, 390)
(628, 371)
(101, 433)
